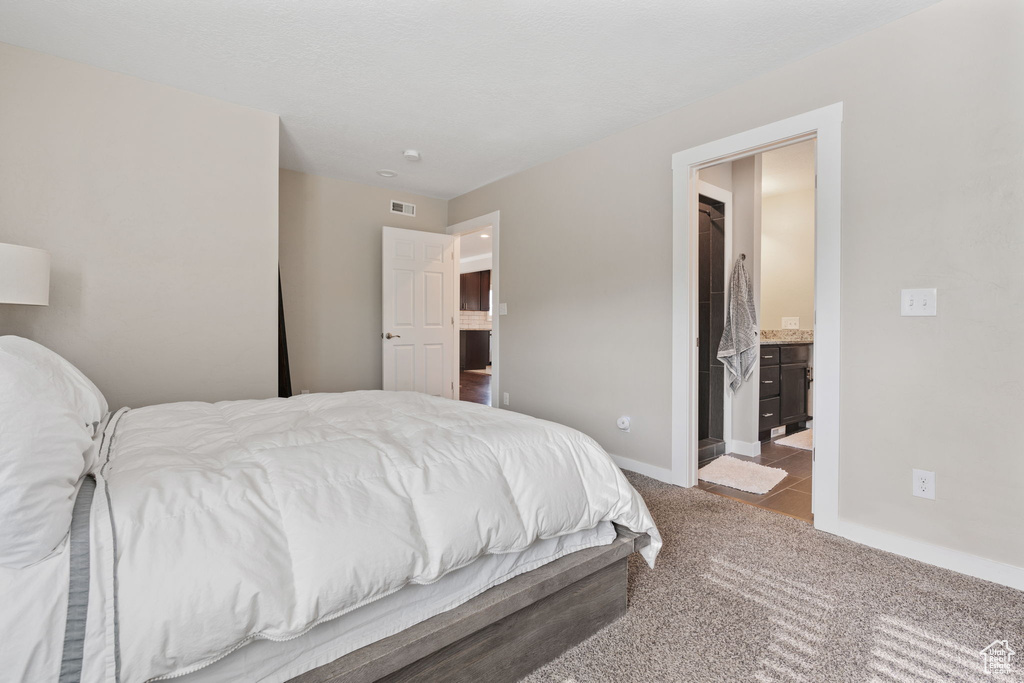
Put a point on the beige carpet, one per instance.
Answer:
(744, 594)
(742, 475)
(804, 440)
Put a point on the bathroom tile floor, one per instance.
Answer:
(792, 496)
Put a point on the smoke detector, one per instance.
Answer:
(411, 155)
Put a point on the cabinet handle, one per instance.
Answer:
(768, 357)
(767, 381)
(767, 414)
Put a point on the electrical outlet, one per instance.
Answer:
(924, 484)
(914, 302)
(623, 423)
(792, 323)
(504, 398)
(304, 391)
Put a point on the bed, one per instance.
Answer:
(327, 537)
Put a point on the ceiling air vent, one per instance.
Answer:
(404, 208)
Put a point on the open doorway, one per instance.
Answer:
(715, 206)
(744, 151)
(476, 316)
(476, 304)
(769, 462)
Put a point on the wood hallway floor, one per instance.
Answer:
(792, 495)
(475, 387)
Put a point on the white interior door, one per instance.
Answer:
(418, 312)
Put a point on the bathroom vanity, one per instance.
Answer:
(785, 383)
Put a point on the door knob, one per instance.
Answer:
(391, 336)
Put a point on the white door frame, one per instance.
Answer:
(490, 220)
(725, 196)
(824, 125)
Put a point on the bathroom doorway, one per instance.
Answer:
(824, 127)
(767, 452)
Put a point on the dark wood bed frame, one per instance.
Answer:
(504, 633)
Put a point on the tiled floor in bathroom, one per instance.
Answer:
(792, 496)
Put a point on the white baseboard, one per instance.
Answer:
(652, 471)
(947, 558)
(748, 448)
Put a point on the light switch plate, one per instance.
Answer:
(502, 309)
(915, 302)
(791, 323)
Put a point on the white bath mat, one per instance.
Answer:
(804, 440)
(743, 475)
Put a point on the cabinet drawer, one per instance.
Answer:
(769, 381)
(799, 353)
(768, 414)
(769, 355)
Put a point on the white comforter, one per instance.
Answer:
(259, 519)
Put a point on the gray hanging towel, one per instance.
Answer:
(739, 346)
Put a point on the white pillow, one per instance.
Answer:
(74, 387)
(47, 412)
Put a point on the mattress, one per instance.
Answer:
(267, 661)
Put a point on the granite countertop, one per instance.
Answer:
(778, 337)
(786, 343)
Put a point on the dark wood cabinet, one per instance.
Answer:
(475, 291)
(793, 394)
(485, 290)
(784, 383)
(474, 349)
(769, 382)
(768, 414)
(469, 292)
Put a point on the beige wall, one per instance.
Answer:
(719, 175)
(331, 276)
(787, 259)
(159, 208)
(746, 239)
(932, 178)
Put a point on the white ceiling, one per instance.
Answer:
(788, 169)
(482, 89)
(475, 245)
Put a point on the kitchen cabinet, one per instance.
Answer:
(784, 382)
(475, 291)
(474, 349)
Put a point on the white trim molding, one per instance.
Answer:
(652, 471)
(937, 555)
(825, 126)
(748, 448)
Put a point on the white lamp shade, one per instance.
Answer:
(24, 275)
